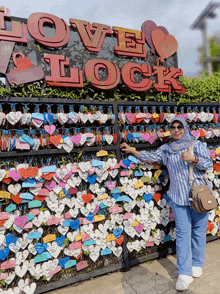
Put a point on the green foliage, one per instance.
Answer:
(88, 92)
(112, 155)
(66, 242)
(86, 252)
(150, 261)
(202, 89)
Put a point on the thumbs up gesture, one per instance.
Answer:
(187, 156)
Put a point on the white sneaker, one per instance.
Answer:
(196, 271)
(183, 282)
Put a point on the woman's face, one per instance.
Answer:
(177, 130)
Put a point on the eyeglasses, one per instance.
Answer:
(179, 128)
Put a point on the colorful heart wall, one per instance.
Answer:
(61, 216)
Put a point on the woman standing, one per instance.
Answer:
(190, 225)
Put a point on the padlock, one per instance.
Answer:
(24, 72)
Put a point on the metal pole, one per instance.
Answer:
(207, 63)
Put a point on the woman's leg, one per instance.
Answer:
(183, 239)
(199, 227)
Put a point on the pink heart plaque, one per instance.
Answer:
(50, 129)
(130, 116)
(85, 237)
(75, 245)
(50, 185)
(111, 185)
(145, 136)
(152, 139)
(139, 228)
(15, 175)
(196, 133)
(76, 139)
(20, 221)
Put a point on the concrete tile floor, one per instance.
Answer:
(158, 277)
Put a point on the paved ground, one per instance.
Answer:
(155, 278)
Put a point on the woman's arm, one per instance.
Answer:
(154, 156)
(202, 153)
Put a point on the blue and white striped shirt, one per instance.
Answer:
(179, 170)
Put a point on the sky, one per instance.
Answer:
(175, 15)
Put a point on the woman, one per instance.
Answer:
(190, 225)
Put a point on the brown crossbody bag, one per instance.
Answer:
(202, 197)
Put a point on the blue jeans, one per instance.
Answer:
(190, 238)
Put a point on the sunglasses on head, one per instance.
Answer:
(179, 128)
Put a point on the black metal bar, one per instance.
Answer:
(97, 102)
(54, 151)
(91, 149)
(53, 101)
(155, 255)
(79, 278)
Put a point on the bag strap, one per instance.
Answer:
(190, 163)
(197, 178)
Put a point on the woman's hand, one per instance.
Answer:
(125, 147)
(187, 156)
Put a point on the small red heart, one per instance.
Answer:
(86, 198)
(120, 240)
(48, 176)
(134, 119)
(114, 138)
(55, 140)
(157, 197)
(40, 198)
(16, 198)
(6, 180)
(139, 120)
(2, 222)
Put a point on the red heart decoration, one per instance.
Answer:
(48, 176)
(134, 119)
(166, 45)
(147, 28)
(55, 140)
(86, 198)
(210, 227)
(2, 222)
(120, 240)
(114, 138)
(6, 180)
(40, 198)
(16, 198)
(29, 172)
(157, 197)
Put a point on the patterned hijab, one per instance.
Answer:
(186, 141)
